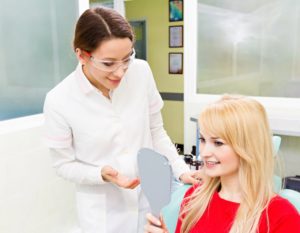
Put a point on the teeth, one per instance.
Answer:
(212, 162)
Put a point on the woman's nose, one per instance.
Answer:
(120, 71)
(206, 150)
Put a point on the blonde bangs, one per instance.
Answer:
(222, 120)
(212, 121)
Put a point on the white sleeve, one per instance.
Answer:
(70, 169)
(57, 132)
(58, 137)
(162, 144)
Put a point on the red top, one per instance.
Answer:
(218, 218)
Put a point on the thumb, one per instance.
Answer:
(163, 224)
(112, 172)
(109, 171)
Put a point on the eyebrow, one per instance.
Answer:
(214, 138)
(113, 59)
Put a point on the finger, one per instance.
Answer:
(112, 172)
(135, 183)
(200, 176)
(125, 182)
(163, 224)
(191, 180)
(153, 229)
(108, 173)
(131, 184)
(195, 177)
(187, 177)
(153, 220)
(196, 180)
(152, 225)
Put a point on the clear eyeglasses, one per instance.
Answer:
(111, 66)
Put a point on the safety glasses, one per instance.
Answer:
(111, 66)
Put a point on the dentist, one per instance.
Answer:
(98, 118)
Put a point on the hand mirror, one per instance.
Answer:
(155, 175)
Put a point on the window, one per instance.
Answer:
(36, 52)
(249, 47)
(102, 3)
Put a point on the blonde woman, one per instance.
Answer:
(238, 196)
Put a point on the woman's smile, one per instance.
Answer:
(211, 164)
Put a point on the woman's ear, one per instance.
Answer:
(80, 56)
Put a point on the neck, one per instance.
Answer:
(94, 82)
(230, 189)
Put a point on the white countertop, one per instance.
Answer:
(21, 123)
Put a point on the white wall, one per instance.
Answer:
(32, 198)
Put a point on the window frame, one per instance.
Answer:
(284, 113)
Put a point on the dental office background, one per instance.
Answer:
(250, 47)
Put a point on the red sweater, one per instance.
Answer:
(218, 218)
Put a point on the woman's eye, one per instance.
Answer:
(108, 64)
(126, 60)
(202, 140)
(218, 143)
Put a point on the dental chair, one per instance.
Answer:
(171, 211)
(289, 194)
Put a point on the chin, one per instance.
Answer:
(212, 174)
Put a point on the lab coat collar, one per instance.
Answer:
(84, 84)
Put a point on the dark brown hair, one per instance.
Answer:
(97, 25)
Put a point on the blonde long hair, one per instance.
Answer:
(242, 122)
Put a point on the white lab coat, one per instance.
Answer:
(87, 131)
